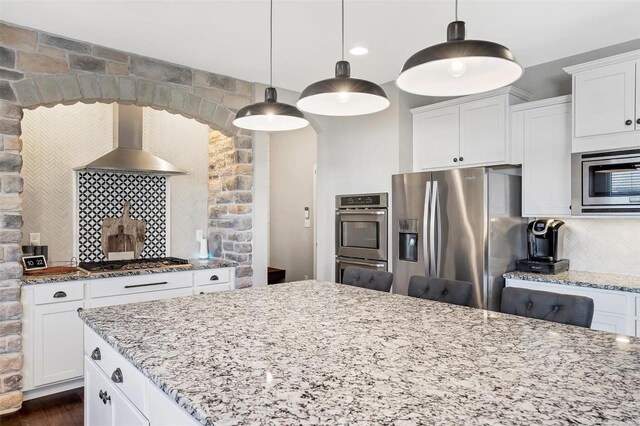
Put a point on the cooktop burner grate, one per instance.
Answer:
(132, 265)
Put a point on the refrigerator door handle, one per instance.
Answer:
(432, 231)
(425, 230)
(439, 220)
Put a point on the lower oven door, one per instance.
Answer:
(343, 262)
(362, 233)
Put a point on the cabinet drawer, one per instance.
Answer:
(140, 284)
(56, 293)
(611, 323)
(213, 288)
(121, 372)
(212, 276)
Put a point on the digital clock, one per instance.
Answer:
(33, 263)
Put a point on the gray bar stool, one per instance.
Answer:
(368, 278)
(441, 290)
(545, 305)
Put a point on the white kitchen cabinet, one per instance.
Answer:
(105, 405)
(436, 136)
(465, 132)
(57, 339)
(612, 310)
(52, 332)
(97, 409)
(543, 128)
(606, 105)
(483, 132)
(132, 401)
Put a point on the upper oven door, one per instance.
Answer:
(362, 233)
(612, 181)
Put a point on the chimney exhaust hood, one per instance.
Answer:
(128, 155)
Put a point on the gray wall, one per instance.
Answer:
(292, 157)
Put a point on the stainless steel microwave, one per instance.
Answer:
(604, 183)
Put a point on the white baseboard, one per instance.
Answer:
(51, 389)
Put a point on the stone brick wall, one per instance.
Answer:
(230, 202)
(40, 69)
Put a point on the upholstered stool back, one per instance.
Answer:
(368, 278)
(545, 305)
(441, 290)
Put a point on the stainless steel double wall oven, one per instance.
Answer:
(361, 232)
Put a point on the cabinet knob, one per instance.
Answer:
(628, 122)
(214, 278)
(117, 376)
(96, 355)
(202, 292)
(59, 294)
(638, 121)
(455, 160)
(461, 158)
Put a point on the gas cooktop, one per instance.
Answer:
(133, 264)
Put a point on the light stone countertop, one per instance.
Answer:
(314, 352)
(630, 283)
(194, 264)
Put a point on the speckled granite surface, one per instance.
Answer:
(322, 353)
(194, 264)
(617, 282)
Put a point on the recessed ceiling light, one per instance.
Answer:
(358, 50)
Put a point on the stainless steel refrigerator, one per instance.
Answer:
(461, 224)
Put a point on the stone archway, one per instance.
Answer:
(41, 69)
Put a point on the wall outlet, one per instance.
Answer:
(34, 239)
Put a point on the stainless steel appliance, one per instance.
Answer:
(606, 183)
(459, 224)
(361, 232)
(132, 265)
(545, 242)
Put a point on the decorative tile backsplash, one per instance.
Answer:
(102, 195)
(603, 245)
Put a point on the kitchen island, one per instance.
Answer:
(324, 353)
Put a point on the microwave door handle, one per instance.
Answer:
(355, 262)
(432, 229)
(425, 229)
(359, 212)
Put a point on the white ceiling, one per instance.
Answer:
(231, 37)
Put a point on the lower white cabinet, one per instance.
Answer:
(57, 339)
(108, 401)
(543, 130)
(613, 310)
(104, 404)
(53, 333)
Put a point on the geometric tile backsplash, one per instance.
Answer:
(102, 195)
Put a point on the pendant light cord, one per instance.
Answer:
(343, 30)
(456, 10)
(271, 43)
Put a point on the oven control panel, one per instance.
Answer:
(361, 200)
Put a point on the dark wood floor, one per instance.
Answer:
(62, 409)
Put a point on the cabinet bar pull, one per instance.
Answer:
(145, 285)
(59, 294)
(96, 355)
(117, 375)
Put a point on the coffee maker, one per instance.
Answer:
(545, 240)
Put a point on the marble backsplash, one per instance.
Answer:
(603, 245)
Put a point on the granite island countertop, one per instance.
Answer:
(617, 282)
(194, 264)
(322, 353)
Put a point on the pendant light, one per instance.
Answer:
(459, 67)
(270, 115)
(343, 95)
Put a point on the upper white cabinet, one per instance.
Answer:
(465, 132)
(543, 129)
(606, 103)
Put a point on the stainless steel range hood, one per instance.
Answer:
(128, 155)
